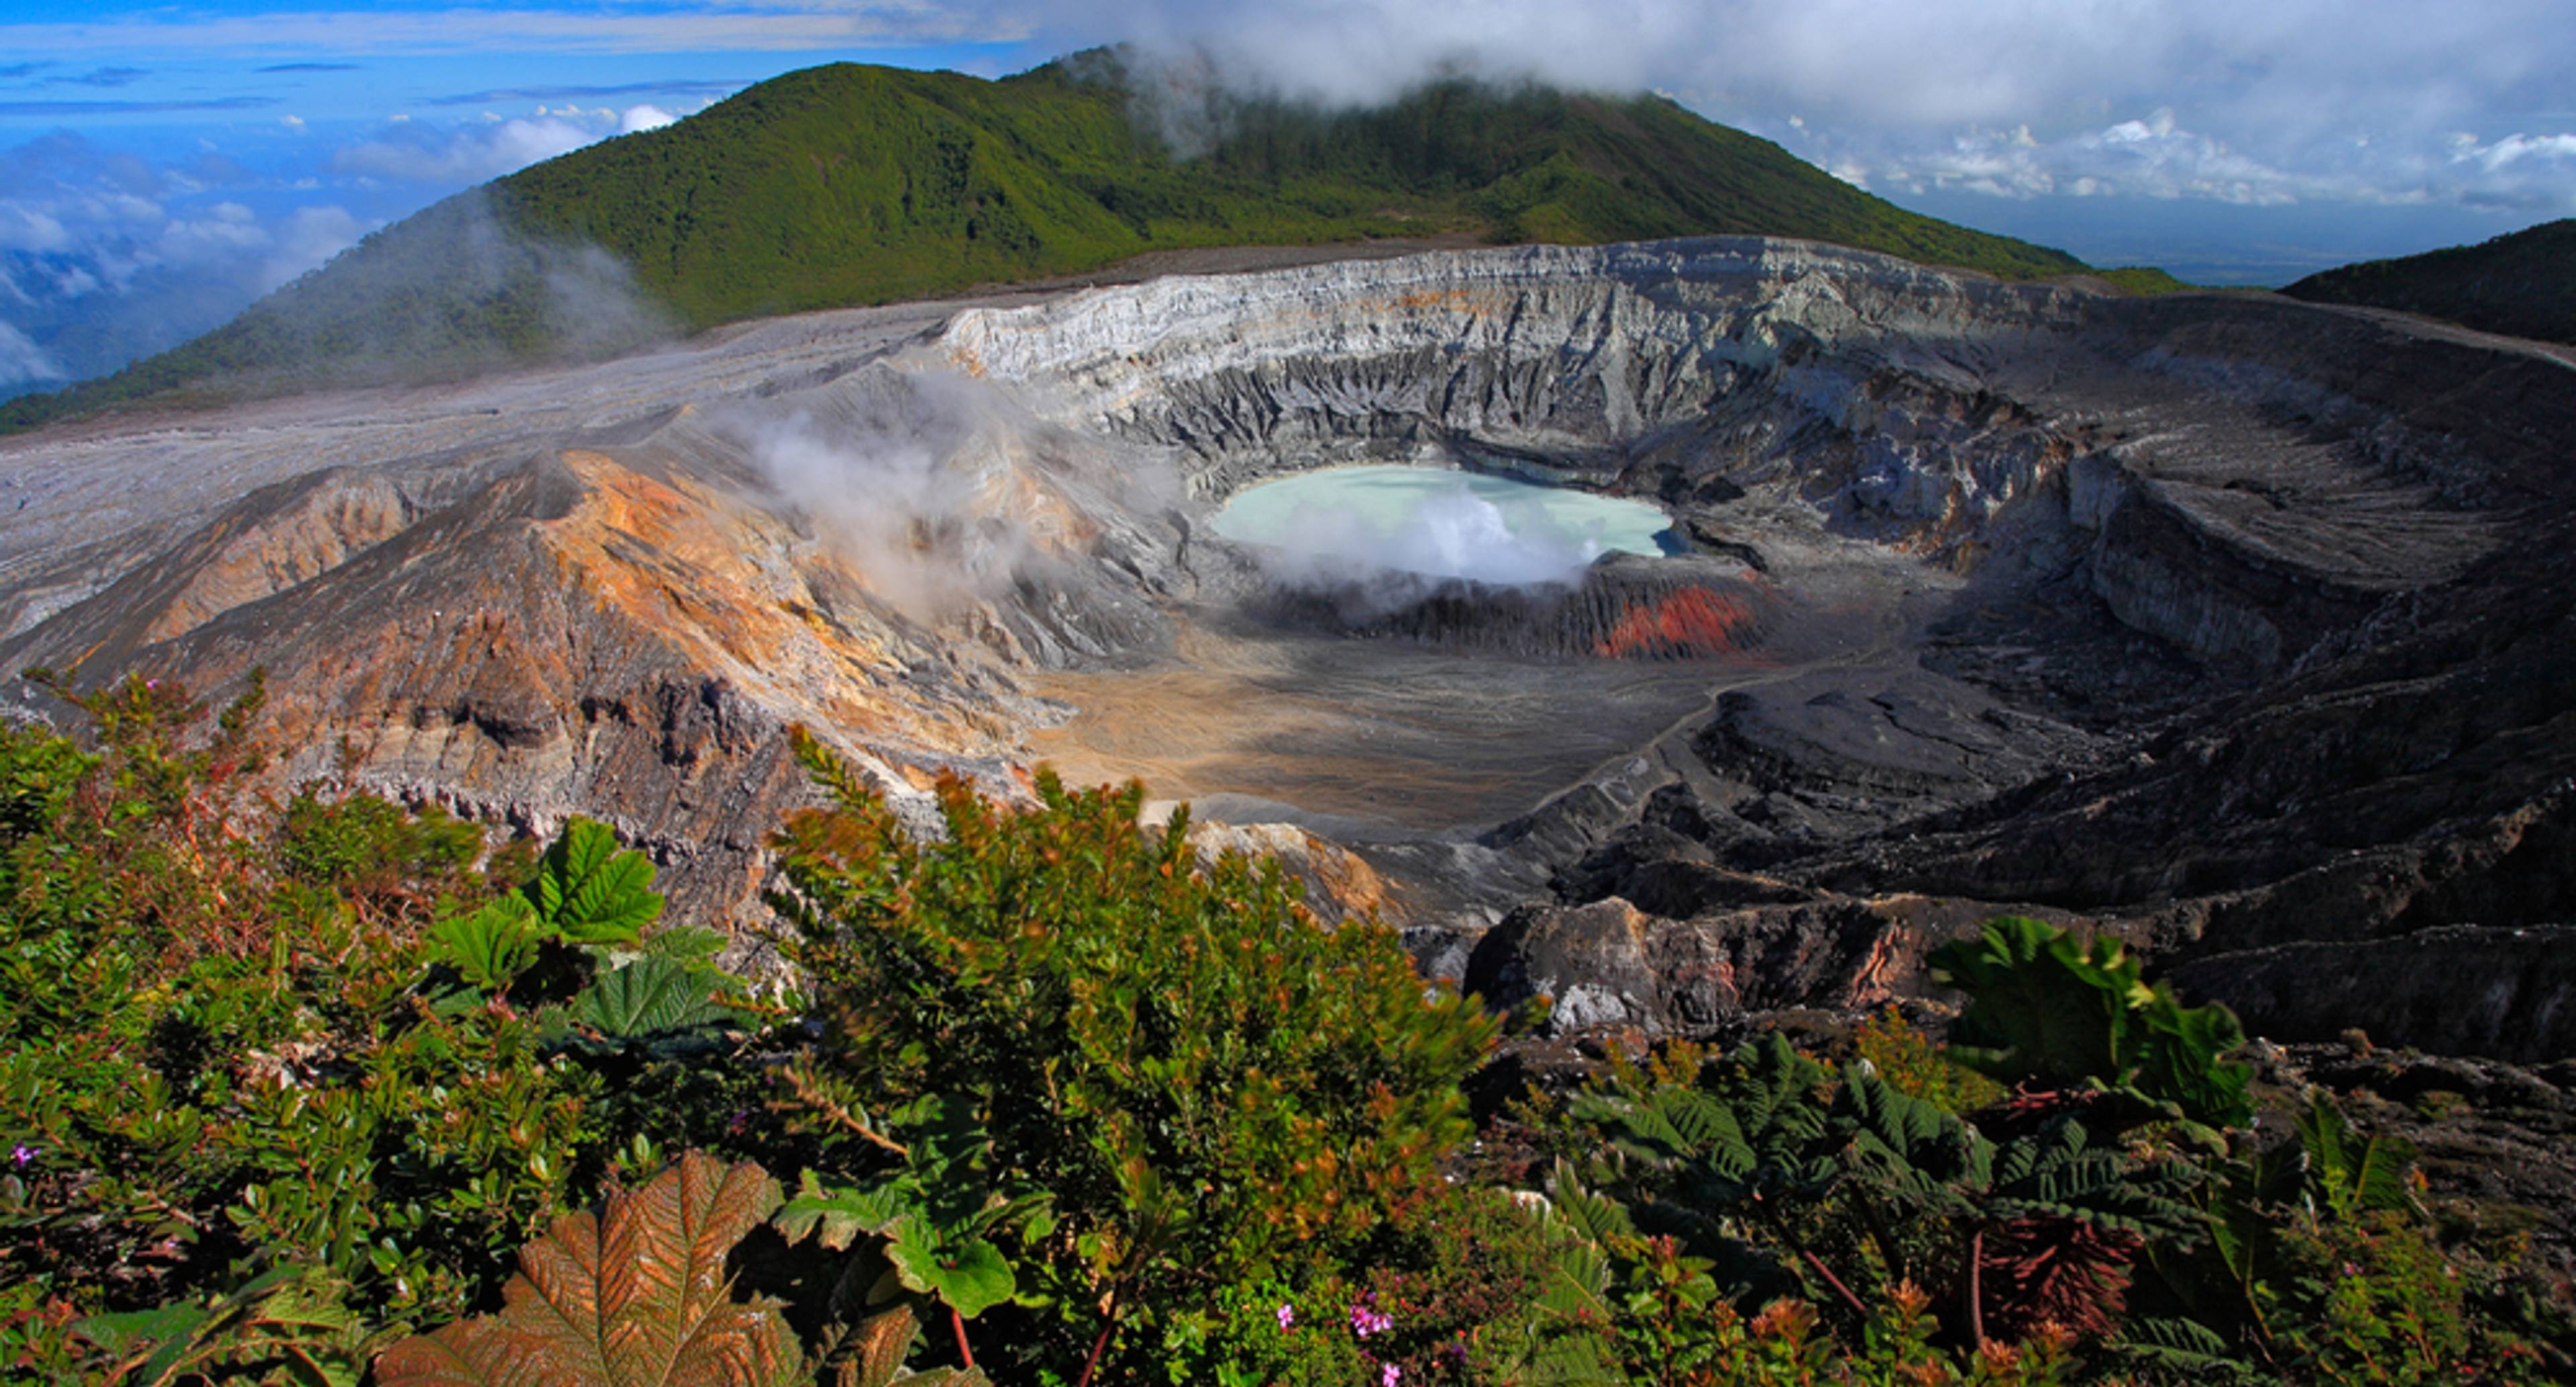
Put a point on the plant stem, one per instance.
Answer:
(957, 1322)
(1780, 1226)
(804, 1087)
(1108, 1321)
(1836, 1282)
(1976, 1293)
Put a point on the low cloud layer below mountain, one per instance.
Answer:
(107, 256)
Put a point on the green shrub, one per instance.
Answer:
(277, 1085)
(227, 1052)
(1917, 1066)
(1627, 1307)
(1839, 1190)
(1447, 1293)
(1210, 1086)
(2373, 1300)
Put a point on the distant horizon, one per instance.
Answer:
(160, 170)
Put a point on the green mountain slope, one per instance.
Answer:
(2522, 285)
(850, 185)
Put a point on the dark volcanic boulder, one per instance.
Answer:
(1610, 964)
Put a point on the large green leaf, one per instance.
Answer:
(1906, 1141)
(1592, 1217)
(636, 1297)
(839, 1216)
(129, 1331)
(2046, 1008)
(1774, 1092)
(2176, 1052)
(648, 997)
(1671, 1125)
(971, 1276)
(2349, 1175)
(2177, 1345)
(695, 945)
(490, 946)
(871, 1321)
(2060, 1172)
(589, 892)
(2041, 1005)
(937, 1215)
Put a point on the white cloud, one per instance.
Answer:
(2524, 173)
(2307, 99)
(309, 237)
(31, 228)
(421, 154)
(221, 236)
(94, 273)
(21, 360)
(2517, 147)
(2150, 156)
(642, 118)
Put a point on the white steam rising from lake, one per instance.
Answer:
(1342, 523)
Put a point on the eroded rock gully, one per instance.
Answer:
(2237, 625)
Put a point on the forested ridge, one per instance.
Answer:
(2521, 285)
(851, 184)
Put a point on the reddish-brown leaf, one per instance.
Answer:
(635, 1298)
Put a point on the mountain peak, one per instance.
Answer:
(850, 184)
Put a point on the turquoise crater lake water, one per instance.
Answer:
(1341, 521)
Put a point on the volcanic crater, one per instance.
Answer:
(2236, 625)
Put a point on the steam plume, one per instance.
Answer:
(1411, 527)
(941, 490)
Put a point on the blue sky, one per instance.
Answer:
(161, 165)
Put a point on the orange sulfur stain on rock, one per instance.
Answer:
(687, 564)
(1691, 622)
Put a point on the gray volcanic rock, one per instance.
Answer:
(2510, 993)
(2238, 624)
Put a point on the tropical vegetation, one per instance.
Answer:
(313, 1087)
(2521, 285)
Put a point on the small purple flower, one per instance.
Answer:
(1287, 1314)
(1366, 1318)
(1387, 1375)
(23, 1154)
